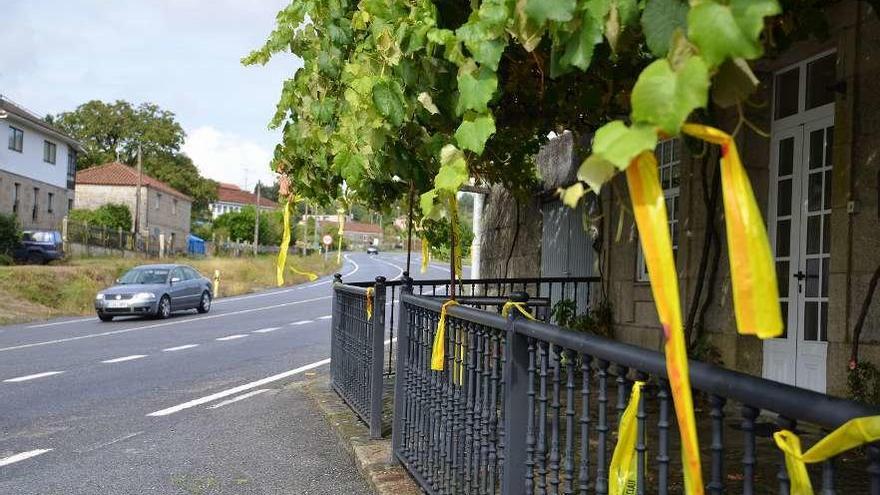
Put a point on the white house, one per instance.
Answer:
(231, 198)
(37, 168)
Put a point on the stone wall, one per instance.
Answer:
(48, 215)
(501, 214)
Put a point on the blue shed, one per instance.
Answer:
(195, 245)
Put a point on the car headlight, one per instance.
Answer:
(144, 296)
(99, 297)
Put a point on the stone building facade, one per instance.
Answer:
(816, 179)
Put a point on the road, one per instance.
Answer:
(193, 404)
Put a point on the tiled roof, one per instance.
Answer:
(359, 227)
(230, 193)
(119, 174)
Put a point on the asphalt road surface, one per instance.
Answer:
(197, 404)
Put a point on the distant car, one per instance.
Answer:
(372, 250)
(155, 290)
(39, 247)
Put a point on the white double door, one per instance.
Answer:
(800, 228)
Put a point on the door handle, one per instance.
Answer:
(800, 275)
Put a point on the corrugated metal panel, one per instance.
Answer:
(566, 249)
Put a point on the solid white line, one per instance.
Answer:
(266, 330)
(236, 399)
(22, 456)
(303, 322)
(124, 358)
(325, 317)
(238, 389)
(231, 337)
(156, 325)
(180, 348)
(246, 386)
(393, 266)
(32, 377)
(65, 322)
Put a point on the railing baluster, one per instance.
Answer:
(541, 451)
(568, 466)
(530, 430)
(641, 444)
(584, 474)
(663, 437)
(828, 477)
(554, 420)
(495, 354)
(716, 483)
(602, 430)
(484, 413)
(784, 423)
(749, 415)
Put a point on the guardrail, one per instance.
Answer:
(525, 407)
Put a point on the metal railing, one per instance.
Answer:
(525, 407)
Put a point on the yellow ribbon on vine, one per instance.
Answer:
(623, 471)
(311, 276)
(649, 208)
(369, 304)
(852, 434)
(438, 350)
(426, 254)
(521, 307)
(752, 268)
(281, 260)
(341, 217)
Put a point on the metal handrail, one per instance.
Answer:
(482, 281)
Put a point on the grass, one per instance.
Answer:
(32, 292)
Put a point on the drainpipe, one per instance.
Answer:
(478, 235)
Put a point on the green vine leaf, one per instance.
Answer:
(453, 169)
(525, 29)
(733, 83)
(665, 97)
(388, 99)
(475, 88)
(580, 46)
(474, 131)
(729, 31)
(571, 195)
(428, 103)
(595, 171)
(426, 202)
(615, 145)
(659, 20)
(485, 46)
(555, 10)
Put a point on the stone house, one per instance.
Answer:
(816, 179)
(232, 198)
(163, 210)
(37, 168)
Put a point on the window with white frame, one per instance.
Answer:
(50, 152)
(158, 200)
(16, 139)
(668, 161)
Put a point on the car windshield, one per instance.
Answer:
(145, 276)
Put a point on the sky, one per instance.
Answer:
(183, 55)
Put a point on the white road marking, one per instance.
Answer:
(180, 347)
(65, 322)
(266, 330)
(32, 377)
(231, 337)
(393, 266)
(157, 325)
(109, 443)
(325, 317)
(22, 456)
(303, 322)
(124, 358)
(242, 388)
(236, 399)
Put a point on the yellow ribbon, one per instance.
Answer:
(623, 471)
(311, 276)
(341, 213)
(649, 208)
(438, 350)
(369, 296)
(852, 434)
(281, 261)
(752, 268)
(521, 307)
(426, 254)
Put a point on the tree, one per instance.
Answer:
(111, 215)
(111, 131)
(239, 225)
(10, 234)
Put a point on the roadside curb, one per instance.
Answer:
(372, 457)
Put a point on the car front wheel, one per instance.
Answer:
(103, 317)
(164, 309)
(205, 303)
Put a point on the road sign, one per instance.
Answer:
(328, 240)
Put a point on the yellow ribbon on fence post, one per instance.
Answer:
(521, 307)
(852, 434)
(623, 471)
(649, 208)
(369, 296)
(281, 261)
(438, 349)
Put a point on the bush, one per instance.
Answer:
(112, 216)
(10, 234)
(239, 225)
(6, 260)
(599, 320)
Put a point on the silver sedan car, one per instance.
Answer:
(155, 290)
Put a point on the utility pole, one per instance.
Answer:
(257, 222)
(137, 195)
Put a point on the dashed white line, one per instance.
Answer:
(231, 337)
(266, 330)
(32, 377)
(302, 322)
(180, 347)
(22, 456)
(236, 399)
(124, 358)
(325, 317)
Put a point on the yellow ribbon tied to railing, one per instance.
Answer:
(281, 261)
(752, 268)
(426, 254)
(369, 304)
(519, 306)
(649, 208)
(438, 350)
(311, 276)
(623, 471)
(852, 434)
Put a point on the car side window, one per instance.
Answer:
(191, 273)
(176, 273)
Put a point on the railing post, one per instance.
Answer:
(376, 382)
(516, 389)
(400, 374)
(335, 356)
